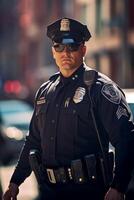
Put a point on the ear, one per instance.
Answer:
(53, 52)
(84, 49)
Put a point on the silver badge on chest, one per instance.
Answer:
(79, 94)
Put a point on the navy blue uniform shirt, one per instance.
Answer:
(62, 128)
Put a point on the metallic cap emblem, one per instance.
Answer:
(65, 25)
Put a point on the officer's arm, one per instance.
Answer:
(12, 192)
(117, 120)
(23, 169)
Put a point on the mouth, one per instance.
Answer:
(66, 60)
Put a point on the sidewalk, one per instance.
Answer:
(28, 189)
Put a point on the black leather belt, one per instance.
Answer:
(78, 172)
(60, 175)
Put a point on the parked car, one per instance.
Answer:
(130, 98)
(129, 93)
(16, 116)
(15, 119)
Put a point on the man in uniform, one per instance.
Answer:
(78, 111)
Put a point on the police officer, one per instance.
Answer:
(63, 130)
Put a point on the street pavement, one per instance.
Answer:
(28, 189)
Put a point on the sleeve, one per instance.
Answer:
(23, 169)
(116, 118)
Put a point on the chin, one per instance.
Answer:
(67, 66)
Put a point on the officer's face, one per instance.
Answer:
(67, 60)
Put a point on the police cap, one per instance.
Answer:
(67, 30)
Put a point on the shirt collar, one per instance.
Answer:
(73, 77)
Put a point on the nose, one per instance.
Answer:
(66, 50)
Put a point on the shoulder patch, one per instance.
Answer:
(110, 92)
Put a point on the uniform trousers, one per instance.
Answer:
(72, 191)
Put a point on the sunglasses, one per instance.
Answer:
(70, 47)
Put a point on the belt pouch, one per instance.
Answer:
(90, 161)
(60, 175)
(77, 171)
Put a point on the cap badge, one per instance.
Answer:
(79, 94)
(65, 25)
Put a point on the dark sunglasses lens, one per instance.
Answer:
(59, 47)
(73, 47)
(70, 47)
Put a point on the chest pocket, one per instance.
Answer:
(75, 115)
(74, 126)
(41, 111)
(82, 109)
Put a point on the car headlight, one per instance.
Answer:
(14, 133)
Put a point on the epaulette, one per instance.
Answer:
(98, 76)
(55, 76)
(103, 78)
(44, 85)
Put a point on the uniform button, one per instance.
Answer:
(73, 78)
(74, 111)
(53, 121)
(57, 105)
(51, 138)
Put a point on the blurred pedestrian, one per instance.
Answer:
(78, 111)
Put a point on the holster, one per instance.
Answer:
(106, 168)
(35, 163)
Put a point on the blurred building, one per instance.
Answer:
(25, 54)
(34, 16)
(111, 48)
(8, 40)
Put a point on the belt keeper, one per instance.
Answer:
(51, 175)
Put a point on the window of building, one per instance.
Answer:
(98, 16)
(131, 14)
(132, 66)
(113, 11)
(114, 15)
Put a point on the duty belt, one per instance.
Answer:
(79, 172)
(60, 175)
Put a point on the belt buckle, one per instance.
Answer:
(51, 176)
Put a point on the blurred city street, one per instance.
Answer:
(27, 61)
(28, 190)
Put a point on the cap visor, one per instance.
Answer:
(67, 41)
